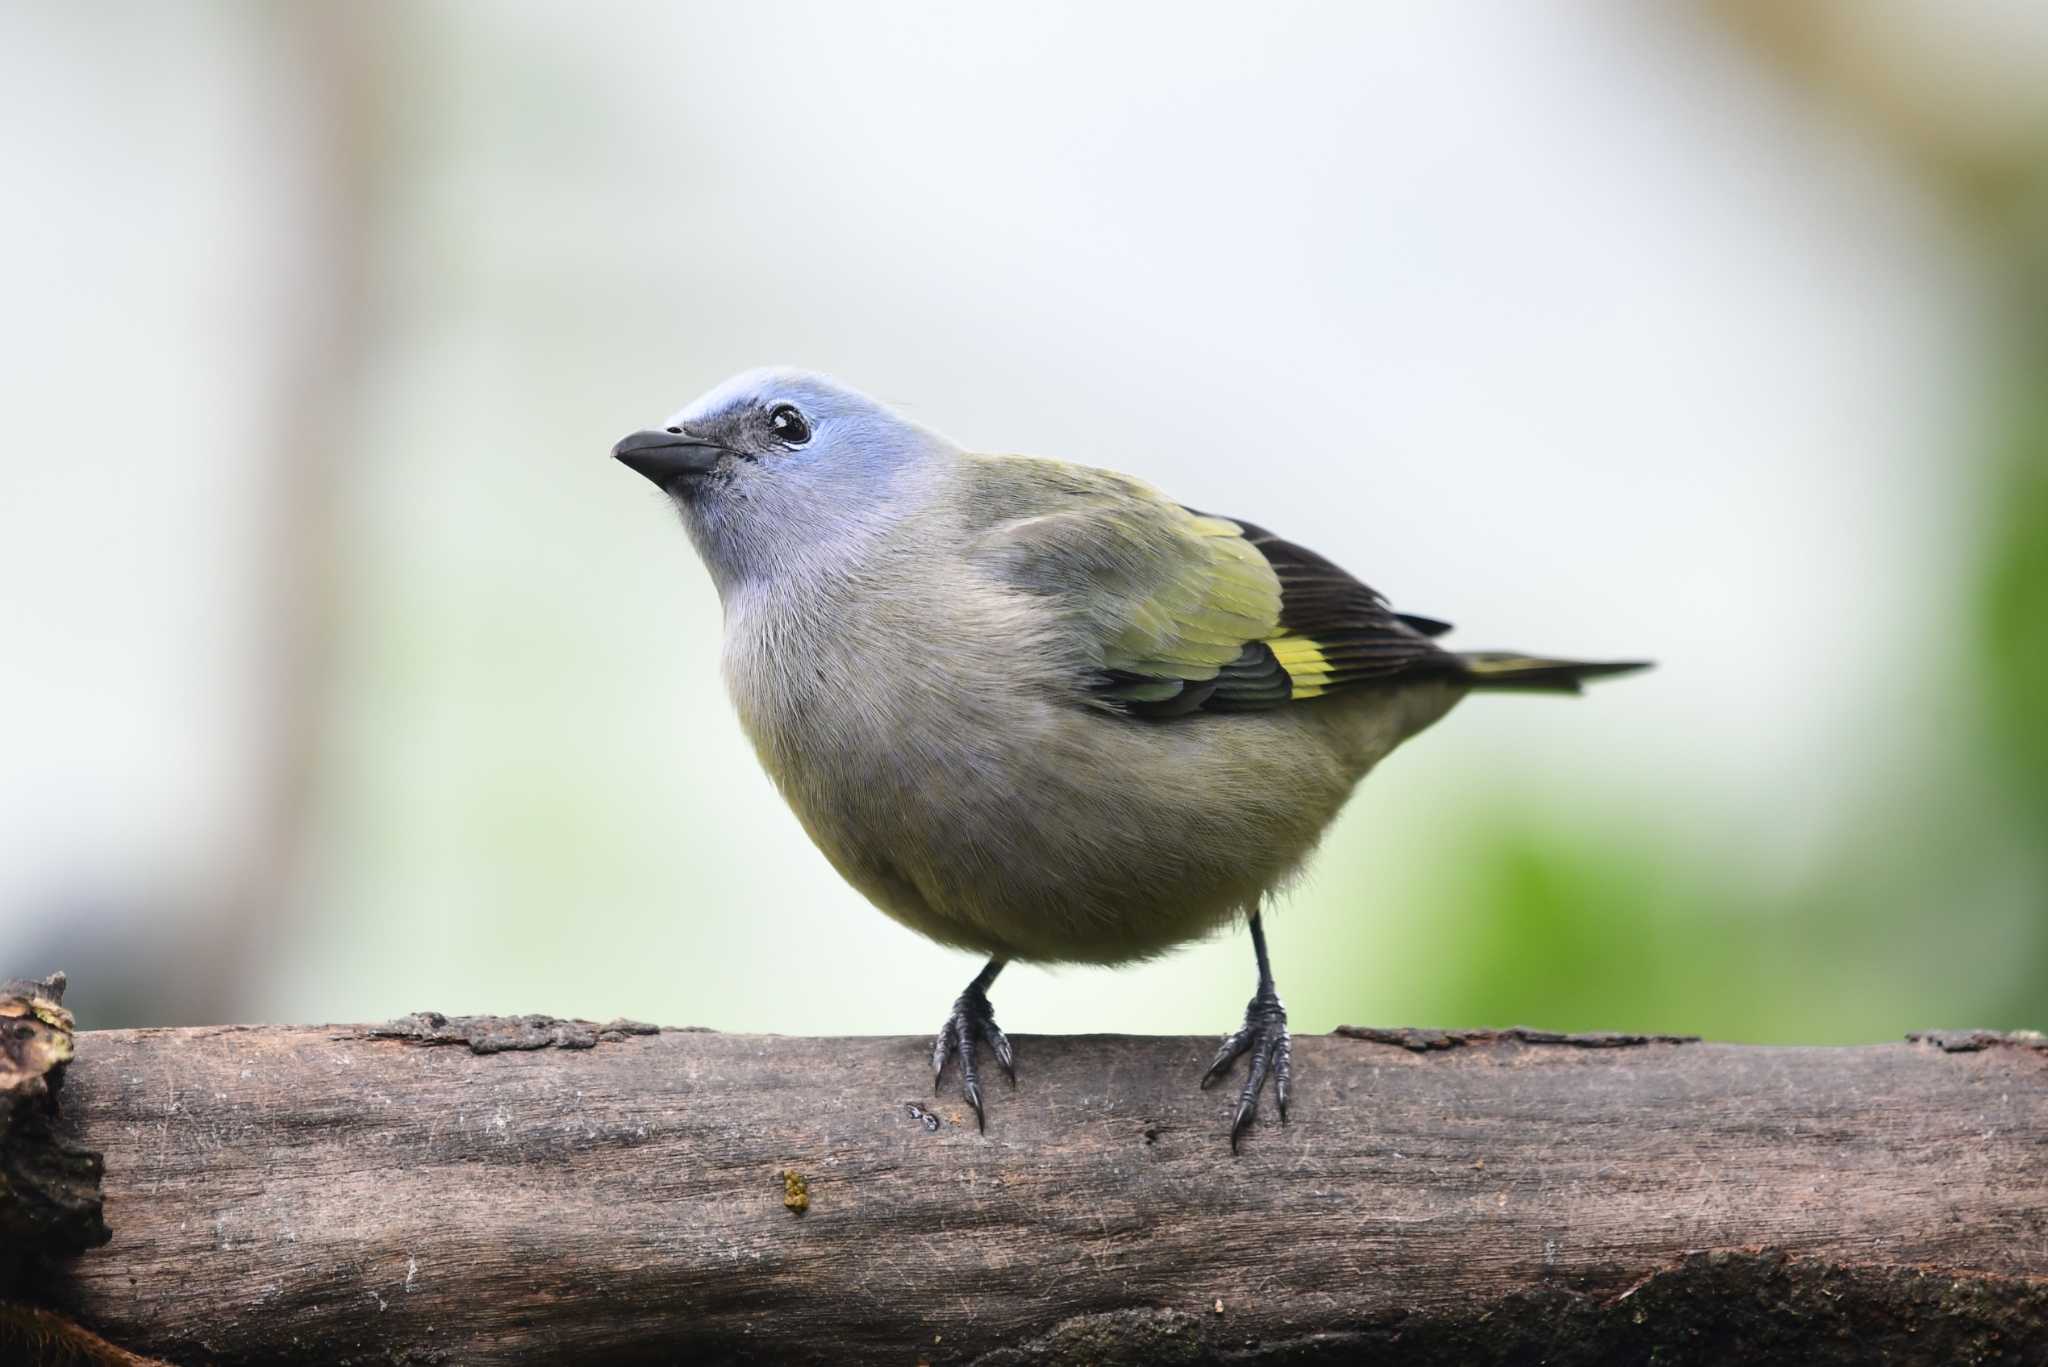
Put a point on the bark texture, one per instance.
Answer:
(49, 1186)
(533, 1190)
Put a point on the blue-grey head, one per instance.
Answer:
(780, 472)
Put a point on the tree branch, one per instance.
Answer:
(523, 1190)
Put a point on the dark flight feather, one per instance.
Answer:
(1334, 632)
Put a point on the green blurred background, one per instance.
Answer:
(344, 675)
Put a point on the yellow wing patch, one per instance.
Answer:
(1308, 669)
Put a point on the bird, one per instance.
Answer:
(1037, 710)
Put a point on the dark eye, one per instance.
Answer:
(790, 427)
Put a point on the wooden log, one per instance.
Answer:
(532, 1190)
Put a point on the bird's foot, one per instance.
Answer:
(973, 1021)
(1264, 1036)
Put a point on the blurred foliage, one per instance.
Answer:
(1581, 928)
(2013, 620)
(2012, 635)
(1930, 909)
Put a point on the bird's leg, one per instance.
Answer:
(1264, 1036)
(973, 1019)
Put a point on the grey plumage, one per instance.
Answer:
(1033, 709)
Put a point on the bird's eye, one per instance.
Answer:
(790, 427)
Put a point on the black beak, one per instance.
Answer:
(668, 458)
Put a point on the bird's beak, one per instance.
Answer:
(668, 458)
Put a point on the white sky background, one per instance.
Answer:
(147, 253)
(1562, 322)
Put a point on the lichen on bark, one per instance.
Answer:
(49, 1184)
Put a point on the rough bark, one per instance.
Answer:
(49, 1186)
(532, 1190)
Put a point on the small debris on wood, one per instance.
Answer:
(928, 1119)
(796, 1192)
(1972, 1041)
(35, 1036)
(504, 1034)
(1420, 1040)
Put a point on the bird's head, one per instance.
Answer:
(781, 472)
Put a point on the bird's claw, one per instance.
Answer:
(973, 1020)
(1264, 1036)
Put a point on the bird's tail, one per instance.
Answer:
(1504, 669)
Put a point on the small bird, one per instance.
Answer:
(1037, 710)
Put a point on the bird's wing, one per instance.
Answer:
(1180, 611)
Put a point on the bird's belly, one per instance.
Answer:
(1063, 834)
(1021, 866)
